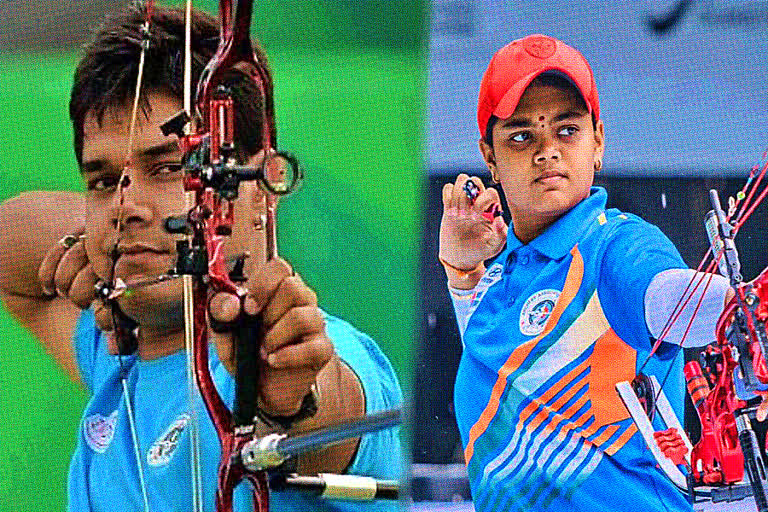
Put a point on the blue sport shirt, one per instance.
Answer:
(103, 474)
(548, 331)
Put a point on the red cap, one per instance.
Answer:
(515, 66)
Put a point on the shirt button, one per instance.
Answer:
(524, 260)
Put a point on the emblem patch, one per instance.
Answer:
(99, 431)
(536, 311)
(162, 450)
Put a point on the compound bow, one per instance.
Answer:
(726, 383)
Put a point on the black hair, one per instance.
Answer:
(106, 76)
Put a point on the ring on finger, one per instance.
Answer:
(67, 241)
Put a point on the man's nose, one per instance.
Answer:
(129, 205)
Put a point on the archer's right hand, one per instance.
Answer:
(468, 234)
(66, 272)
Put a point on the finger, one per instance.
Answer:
(478, 183)
(313, 353)
(224, 307)
(459, 196)
(282, 391)
(71, 263)
(292, 292)
(487, 201)
(447, 196)
(762, 409)
(47, 270)
(266, 280)
(479, 188)
(292, 327)
(82, 292)
(225, 348)
(103, 316)
(112, 346)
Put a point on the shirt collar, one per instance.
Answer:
(559, 238)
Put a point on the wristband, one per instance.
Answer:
(307, 410)
(463, 273)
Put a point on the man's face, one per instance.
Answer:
(155, 192)
(544, 156)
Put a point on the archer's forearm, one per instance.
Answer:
(30, 224)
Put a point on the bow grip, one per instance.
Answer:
(248, 334)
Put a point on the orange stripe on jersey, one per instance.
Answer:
(544, 413)
(611, 361)
(555, 389)
(516, 358)
(622, 440)
(569, 413)
(606, 435)
(566, 415)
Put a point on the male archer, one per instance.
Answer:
(134, 442)
(571, 303)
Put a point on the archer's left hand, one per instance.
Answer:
(294, 348)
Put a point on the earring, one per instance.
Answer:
(494, 176)
(598, 165)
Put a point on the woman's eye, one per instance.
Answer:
(567, 131)
(520, 137)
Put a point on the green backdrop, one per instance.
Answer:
(350, 90)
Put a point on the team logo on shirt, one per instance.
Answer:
(162, 450)
(536, 311)
(99, 431)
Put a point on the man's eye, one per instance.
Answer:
(102, 183)
(165, 168)
(567, 131)
(520, 137)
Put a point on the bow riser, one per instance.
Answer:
(743, 325)
(213, 176)
(717, 457)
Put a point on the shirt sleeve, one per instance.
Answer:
(379, 454)
(86, 340)
(676, 296)
(635, 253)
(462, 302)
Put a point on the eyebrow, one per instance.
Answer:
(525, 123)
(162, 149)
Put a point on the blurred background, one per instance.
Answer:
(683, 98)
(350, 81)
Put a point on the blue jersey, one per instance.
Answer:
(548, 331)
(103, 474)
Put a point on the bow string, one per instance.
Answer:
(726, 383)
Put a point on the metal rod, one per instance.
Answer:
(320, 438)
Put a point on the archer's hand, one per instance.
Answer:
(295, 347)
(66, 272)
(468, 238)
